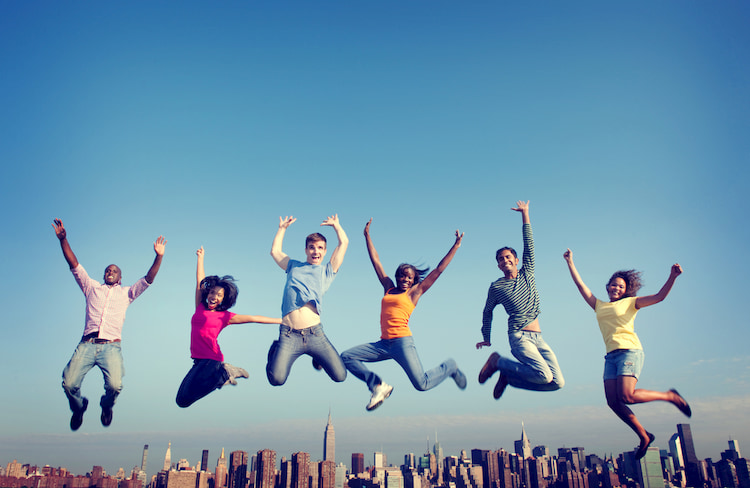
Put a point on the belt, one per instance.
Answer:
(94, 339)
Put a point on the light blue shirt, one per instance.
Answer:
(305, 283)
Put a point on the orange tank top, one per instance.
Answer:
(395, 310)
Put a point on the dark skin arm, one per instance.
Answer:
(159, 245)
(70, 257)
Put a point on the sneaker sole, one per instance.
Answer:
(371, 408)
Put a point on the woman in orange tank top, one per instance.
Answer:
(396, 341)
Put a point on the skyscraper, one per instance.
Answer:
(523, 446)
(692, 464)
(168, 458)
(358, 463)
(237, 469)
(329, 441)
(220, 476)
(686, 439)
(326, 474)
(675, 449)
(265, 469)
(204, 460)
(300, 470)
(144, 458)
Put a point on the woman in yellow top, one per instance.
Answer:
(396, 341)
(624, 359)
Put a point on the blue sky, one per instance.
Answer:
(624, 123)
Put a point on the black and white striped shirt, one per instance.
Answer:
(518, 295)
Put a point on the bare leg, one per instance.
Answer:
(617, 391)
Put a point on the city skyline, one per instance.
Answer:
(523, 442)
(623, 123)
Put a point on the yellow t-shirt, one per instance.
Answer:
(395, 310)
(617, 323)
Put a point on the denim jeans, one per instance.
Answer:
(108, 357)
(623, 362)
(293, 343)
(205, 376)
(537, 370)
(403, 351)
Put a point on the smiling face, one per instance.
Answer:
(112, 275)
(507, 263)
(405, 278)
(215, 297)
(616, 289)
(315, 251)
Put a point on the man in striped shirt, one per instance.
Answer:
(106, 304)
(536, 368)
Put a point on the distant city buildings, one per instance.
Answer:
(677, 467)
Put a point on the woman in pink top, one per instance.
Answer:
(624, 359)
(214, 296)
(396, 341)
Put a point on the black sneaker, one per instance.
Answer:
(77, 419)
(106, 417)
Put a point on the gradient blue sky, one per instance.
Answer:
(624, 123)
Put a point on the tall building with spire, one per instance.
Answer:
(168, 458)
(523, 446)
(220, 475)
(329, 441)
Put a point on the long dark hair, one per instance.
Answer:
(225, 282)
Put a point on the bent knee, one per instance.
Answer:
(338, 378)
(275, 380)
(183, 402)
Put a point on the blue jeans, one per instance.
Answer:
(205, 376)
(623, 362)
(537, 370)
(293, 343)
(108, 357)
(403, 351)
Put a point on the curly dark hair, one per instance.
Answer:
(419, 274)
(632, 279)
(225, 282)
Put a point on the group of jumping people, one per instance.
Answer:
(301, 333)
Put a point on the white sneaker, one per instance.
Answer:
(381, 392)
(234, 372)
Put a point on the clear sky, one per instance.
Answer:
(624, 123)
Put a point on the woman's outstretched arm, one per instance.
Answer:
(430, 279)
(585, 292)
(200, 273)
(384, 279)
(641, 302)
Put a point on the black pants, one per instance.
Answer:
(205, 376)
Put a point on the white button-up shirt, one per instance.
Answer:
(106, 304)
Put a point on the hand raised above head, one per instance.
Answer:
(59, 229)
(332, 220)
(459, 237)
(676, 269)
(159, 245)
(521, 206)
(482, 344)
(367, 226)
(200, 252)
(568, 255)
(285, 222)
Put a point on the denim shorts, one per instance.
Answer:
(623, 362)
